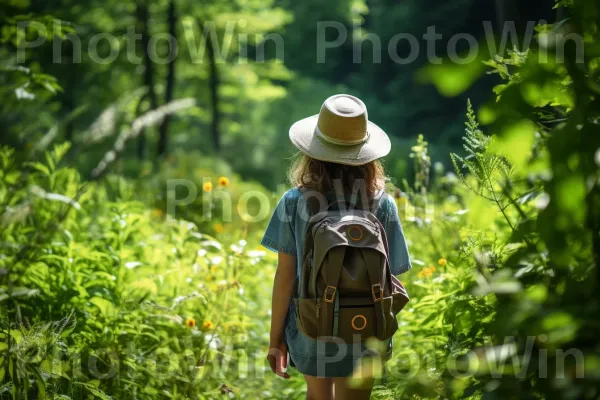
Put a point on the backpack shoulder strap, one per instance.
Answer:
(335, 264)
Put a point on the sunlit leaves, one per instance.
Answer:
(105, 306)
(452, 79)
(515, 143)
(571, 194)
(560, 328)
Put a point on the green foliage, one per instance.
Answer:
(546, 265)
(523, 254)
(114, 288)
(144, 305)
(256, 98)
(422, 164)
(487, 168)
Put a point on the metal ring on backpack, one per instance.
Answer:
(353, 238)
(364, 324)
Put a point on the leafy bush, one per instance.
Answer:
(101, 297)
(519, 320)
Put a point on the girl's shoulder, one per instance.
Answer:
(291, 197)
(289, 200)
(292, 194)
(387, 209)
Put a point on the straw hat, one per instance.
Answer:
(341, 133)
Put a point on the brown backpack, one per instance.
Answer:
(347, 291)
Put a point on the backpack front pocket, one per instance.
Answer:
(314, 317)
(356, 323)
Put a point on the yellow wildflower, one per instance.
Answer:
(208, 325)
(442, 262)
(190, 322)
(219, 228)
(223, 181)
(157, 213)
(426, 272)
(207, 187)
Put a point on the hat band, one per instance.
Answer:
(339, 142)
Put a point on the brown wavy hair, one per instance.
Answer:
(306, 172)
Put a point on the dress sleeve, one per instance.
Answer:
(279, 235)
(398, 249)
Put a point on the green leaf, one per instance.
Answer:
(560, 327)
(106, 307)
(515, 143)
(60, 150)
(39, 167)
(17, 336)
(50, 161)
(147, 284)
(12, 177)
(94, 391)
(451, 79)
(41, 385)
(570, 195)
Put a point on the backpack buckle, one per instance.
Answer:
(377, 295)
(330, 290)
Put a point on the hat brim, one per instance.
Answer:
(302, 135)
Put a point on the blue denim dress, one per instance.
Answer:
(285, 233)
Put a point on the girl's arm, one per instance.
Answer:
(398, 250)
(283, 290)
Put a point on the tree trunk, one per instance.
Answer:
(560, 14)
(214, 92)
(69, 123)
(143, 22)
(500, 13)
(163, 132)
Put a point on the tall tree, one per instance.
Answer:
(163, 131)
(214, 91)
(143, 17)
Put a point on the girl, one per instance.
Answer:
(339, 149)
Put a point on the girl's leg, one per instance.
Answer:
(344, 392)
(318, 388)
